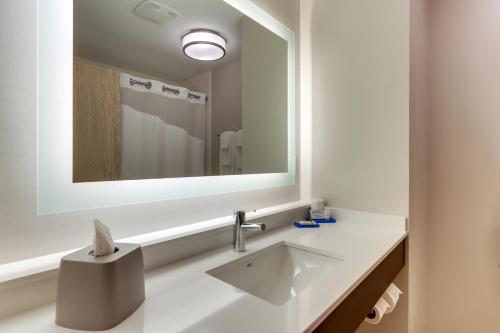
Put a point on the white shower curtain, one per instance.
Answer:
(163, 132)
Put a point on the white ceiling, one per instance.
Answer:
(107, 31)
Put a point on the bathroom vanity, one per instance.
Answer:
(136, 114)
(363, 253)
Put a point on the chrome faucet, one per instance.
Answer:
(240, 227)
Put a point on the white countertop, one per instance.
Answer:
(182, 298)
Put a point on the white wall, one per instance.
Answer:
(419, 112)
(464, 167)
(360, 105)
(23, 234)
(264, 100)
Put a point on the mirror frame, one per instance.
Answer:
(56, 191)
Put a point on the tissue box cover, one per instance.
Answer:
(98, 293)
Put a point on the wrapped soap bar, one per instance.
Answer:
(306, 224)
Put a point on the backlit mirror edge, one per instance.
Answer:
(56, 191)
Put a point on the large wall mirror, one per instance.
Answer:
(149, 100)
(176, 88)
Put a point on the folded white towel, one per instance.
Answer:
(225, 139)
(239, 138)
(238, 160)
(225, 157)
(103, 242)
(226, 170)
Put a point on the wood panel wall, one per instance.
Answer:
(96, 123)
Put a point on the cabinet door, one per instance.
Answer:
(347, 317)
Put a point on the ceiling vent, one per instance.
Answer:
(156, 12)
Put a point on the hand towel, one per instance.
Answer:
(239, 138)
(226, 153)
(225, 139)
(103, 242)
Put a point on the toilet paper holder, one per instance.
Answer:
(385, 305)
(372, 314)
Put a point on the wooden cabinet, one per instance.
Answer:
(347, 317)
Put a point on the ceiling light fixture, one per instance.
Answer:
(204, 45)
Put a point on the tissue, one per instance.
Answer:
(391, 295)
(317, 204)
(103, 242)
(378, 312)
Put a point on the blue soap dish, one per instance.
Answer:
(300, 226)
(323, 220)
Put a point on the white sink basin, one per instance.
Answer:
(277, 273)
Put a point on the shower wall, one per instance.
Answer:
(226, 105)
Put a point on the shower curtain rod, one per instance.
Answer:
(172, 90)
(142, 83)
(177, 92)
(165, 88)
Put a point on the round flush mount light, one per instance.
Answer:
(204, 45)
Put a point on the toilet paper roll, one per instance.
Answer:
(378, 312)
(391, 295)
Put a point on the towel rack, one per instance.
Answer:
(145, 84)
(236, 131)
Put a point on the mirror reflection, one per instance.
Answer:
(176, 88)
